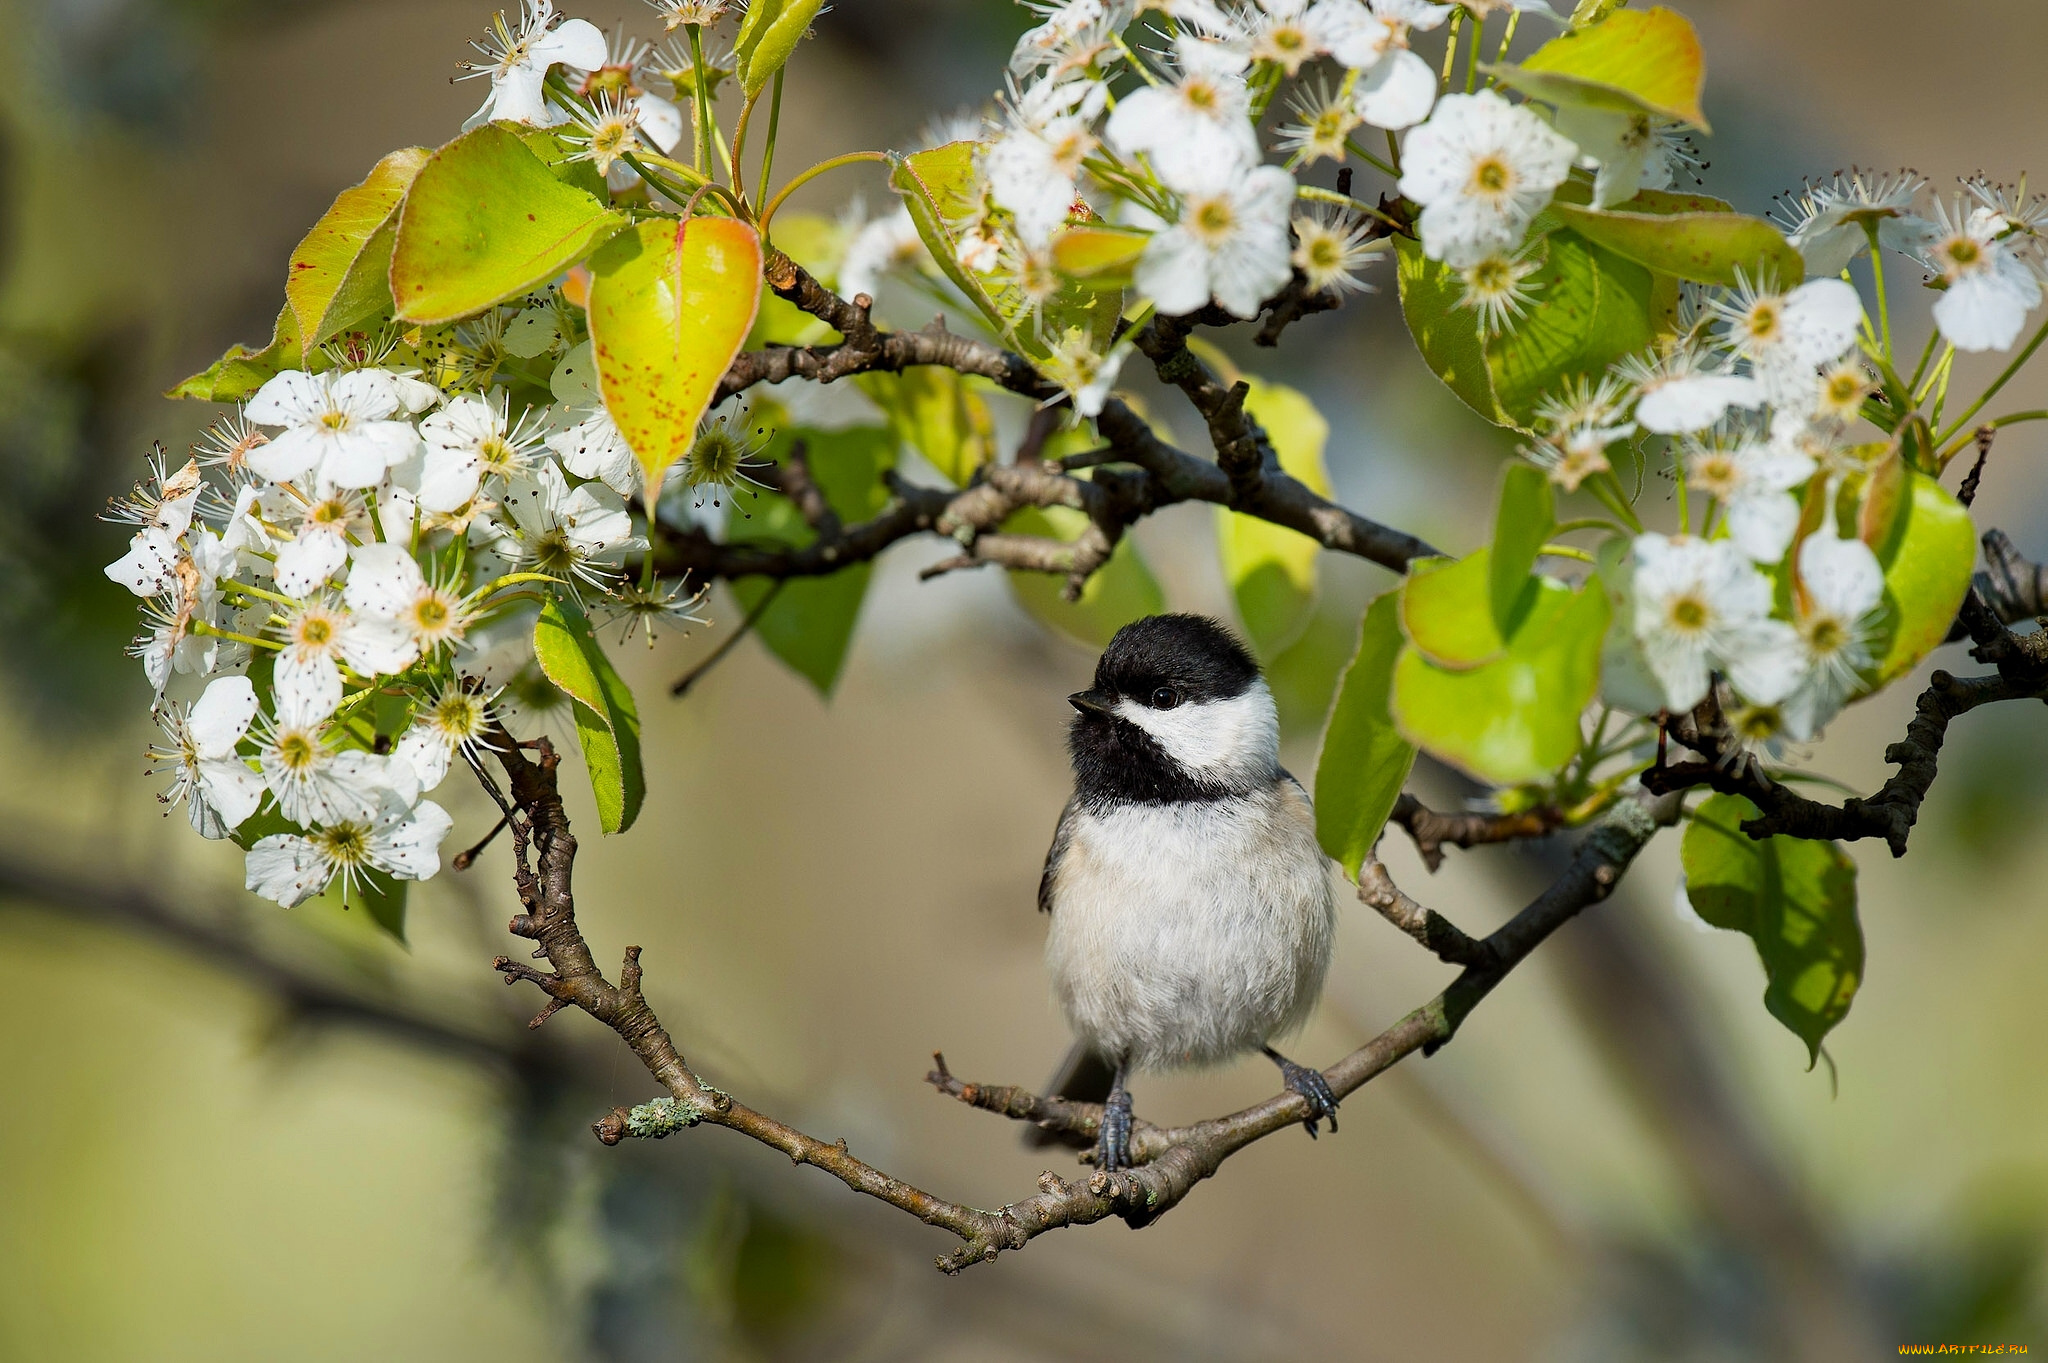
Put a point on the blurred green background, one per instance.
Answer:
(232, 1133)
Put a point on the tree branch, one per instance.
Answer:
(1171, 1160)
(1888, 814)
(1246, 477)
(1433, 831)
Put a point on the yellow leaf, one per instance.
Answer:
(670, 306)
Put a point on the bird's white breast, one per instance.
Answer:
(1185, 933)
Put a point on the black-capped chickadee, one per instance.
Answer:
(1190, 902)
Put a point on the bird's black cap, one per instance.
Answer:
(1191, 652)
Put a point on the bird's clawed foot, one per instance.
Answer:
(1113, 1146)
(1313, 1088)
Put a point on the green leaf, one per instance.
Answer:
(1271, 569)
(768, 35)
(810, 624)
(1120, 591)
(1447, 610)
(1365, 761)
(340, 270)
(1706, 247)
(236, 376)
(1520, 528)
(1589, 308)
(671, 303)
(1795, 898)
(1098, 254)
(486, 220)
(607, 722)
(1927, 558)
(1631, 61)
(937, 413)
(1516, 718)
(938, 187)
(567, 162)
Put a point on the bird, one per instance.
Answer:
(1190, 902)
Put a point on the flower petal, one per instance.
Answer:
(285, 867)
(222, 716)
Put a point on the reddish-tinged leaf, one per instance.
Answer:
(670, 306)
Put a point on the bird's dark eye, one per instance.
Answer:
(1163, 698)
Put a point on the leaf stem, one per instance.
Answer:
(1514, 18)
(201, 628)
(774, 126)
(1607, 488)
(1351, 145)
(702, 95)
(1318, 194)
(1926, 354)
(849, 159)
(1884, 311)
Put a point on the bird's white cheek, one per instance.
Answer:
(1214, 738)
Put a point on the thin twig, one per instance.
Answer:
(682, 684)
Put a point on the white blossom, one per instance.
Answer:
(1072, 36)
(402, 841)
(163, 508)
(217, 787)
(471, 439)
(320, 636)
(1196, 132)
(1033, 169)
(1835, 616)
(1632, 150)
(1395, 88)
(1572, 454)
(387, 590)
(595, 448)
(316, 782)
(1827, 223)
(622, 80)
(580, 533)
(517, 62)
(1786, 336)
(174, 637)
(1701, 604)
(1482, 168)
(1082, 371)
(1753, 483)
(1989, 290)
(1330, 248)
(454, 719)
(320, 548)
(1229, 243)
(150, 563)
(336, 428)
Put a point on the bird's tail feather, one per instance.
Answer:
(1083, 1077)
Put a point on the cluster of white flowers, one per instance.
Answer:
(1755, 400)
(1985, 246)
(1167, 142)
(619, 114)
(343, 579)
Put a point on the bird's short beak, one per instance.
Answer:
(1092, 702)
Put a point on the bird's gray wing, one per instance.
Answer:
(1061, 835)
